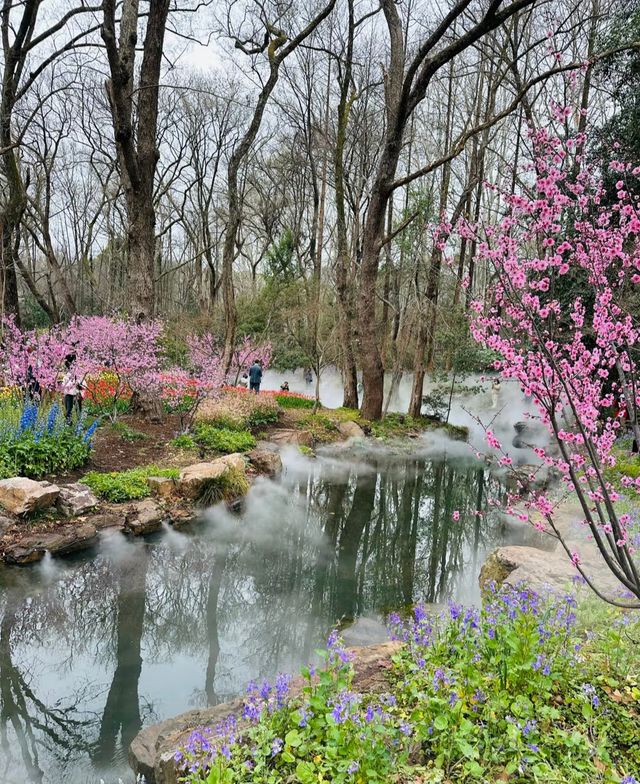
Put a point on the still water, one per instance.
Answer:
(91, 649)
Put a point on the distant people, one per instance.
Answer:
(308, 376)
(284, 387)
(255, 376)
(34, 390)
(244, 381)
(71, 388)
(495, 392)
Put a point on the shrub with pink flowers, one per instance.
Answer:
(576, 360)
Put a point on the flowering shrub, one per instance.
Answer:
(509, 693)
(36, 442)
(574, 356)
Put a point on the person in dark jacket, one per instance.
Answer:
(255, 377)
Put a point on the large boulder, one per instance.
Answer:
(265, 461)
(194, 477)
(75, 500)
(143, 517)
(351, 430)
(22, 496)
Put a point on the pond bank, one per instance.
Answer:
(59, 520)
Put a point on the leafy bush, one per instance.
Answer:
(227, 487)
(227, 421)
(263, 413)
(119, 486)
(35, 442)
(223, 440)
(291, 400)
(509, 693)
(183, 441)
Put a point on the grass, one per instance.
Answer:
(127, 433)
(294, 401)
(120, 486)
(227, 487)
(209, 437)
(402, 425)
(321, 427)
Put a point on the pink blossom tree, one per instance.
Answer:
(43, 352)
(576, 360)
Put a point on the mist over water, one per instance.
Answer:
(93, 648)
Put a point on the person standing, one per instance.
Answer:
(71, 389)
(308, 376)
(255, 376)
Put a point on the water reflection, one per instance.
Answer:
(92, 649)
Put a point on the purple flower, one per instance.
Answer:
(353, 767)
(276, 746)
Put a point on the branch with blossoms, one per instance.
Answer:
(576, 363)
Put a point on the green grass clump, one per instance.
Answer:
(293, 401)
(402, 425)
(228, 421)
(321, 427)
(227, 487)
(627, 464)
(221, 439)
(127, 433)
(183, 441)
(120, 486)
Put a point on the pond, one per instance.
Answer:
(93, 648)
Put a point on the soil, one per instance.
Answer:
(114, 452)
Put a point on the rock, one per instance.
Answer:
(59, 542)
(162, 486)
(108, 519)
(21, 496)
(143, 517)
(151, 753)
(265, 461)
(75, 500)
(284, 436)
(351, 430)
(5, 523)
(543, 571)
(18, 555)
(193, 477)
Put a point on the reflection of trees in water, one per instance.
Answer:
(244, 602)
(27, 724)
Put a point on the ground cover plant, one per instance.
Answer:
(35, 440)
(209, 437)
(513, 692)
(119, 486)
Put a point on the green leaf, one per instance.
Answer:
(292, 738)
(441, 722)
(305, 772)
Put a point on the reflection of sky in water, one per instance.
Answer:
(145, 630)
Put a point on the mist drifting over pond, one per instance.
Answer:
(93, 648)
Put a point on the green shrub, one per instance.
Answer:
(183, 441)
(227, 487)
(261, 415)
(228, 421)
(35, 442)
(294, 401)
(119, 486)
(220, 439)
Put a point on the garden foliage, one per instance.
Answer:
(36, 441)
(512, 692)
(119, 486)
